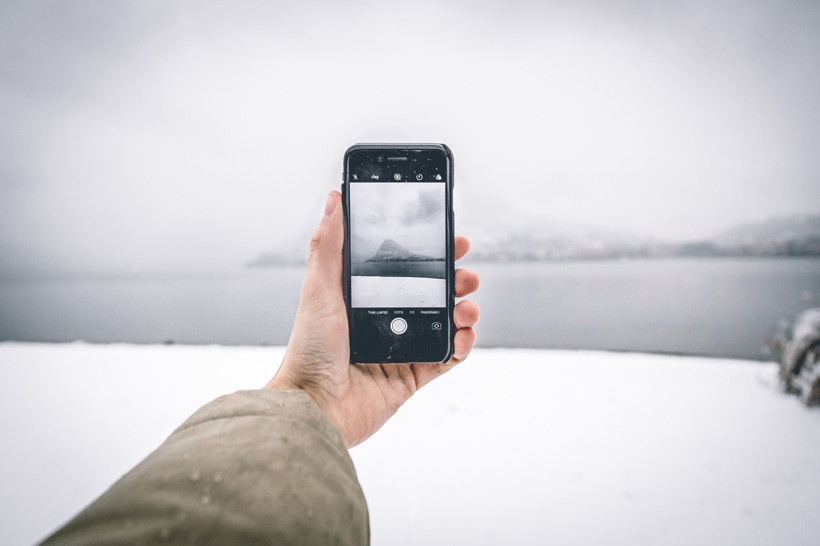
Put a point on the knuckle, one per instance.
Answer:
(409, 387)
(316, 241)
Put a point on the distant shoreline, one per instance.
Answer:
(171, 343)
(43, 277)
(524, 260)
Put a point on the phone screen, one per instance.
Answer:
(398, 210)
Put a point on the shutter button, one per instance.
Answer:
(398, 325)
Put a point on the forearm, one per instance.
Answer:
(254, 466)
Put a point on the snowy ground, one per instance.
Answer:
(398, 291)
(513, 447)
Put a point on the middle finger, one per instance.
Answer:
(466, 282)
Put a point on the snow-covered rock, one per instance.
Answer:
(800, 364)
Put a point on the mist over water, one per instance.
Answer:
(714, 307)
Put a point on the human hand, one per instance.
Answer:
(358, 398)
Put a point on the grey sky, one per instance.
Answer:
(409, 213)
(191, 136)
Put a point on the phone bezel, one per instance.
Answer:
(447, 352)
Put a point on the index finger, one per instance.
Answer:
(462, 246)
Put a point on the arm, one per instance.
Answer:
(272, 465)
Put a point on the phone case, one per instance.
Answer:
(450, 249)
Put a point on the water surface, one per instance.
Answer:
(716, 307)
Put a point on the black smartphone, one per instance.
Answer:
(399, 268)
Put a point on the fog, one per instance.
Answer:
(189, 137)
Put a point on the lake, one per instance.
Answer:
(433, 269)
(714, 307)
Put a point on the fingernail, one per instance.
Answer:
(330, 205)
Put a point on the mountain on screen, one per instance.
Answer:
(391, 251)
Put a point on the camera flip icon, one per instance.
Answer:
(436, 326)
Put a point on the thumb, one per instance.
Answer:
(324, 269)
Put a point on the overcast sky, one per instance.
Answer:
(409, 213)
(162, 136)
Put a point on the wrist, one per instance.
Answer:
(281, 383)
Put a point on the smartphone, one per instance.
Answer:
(399, 268)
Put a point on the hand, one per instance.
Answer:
(359, 398)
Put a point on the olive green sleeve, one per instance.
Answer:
(253, 467)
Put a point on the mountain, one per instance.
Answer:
(535, 239)
(775, 237)
(539, 240)
(391, 251)
(774, 231)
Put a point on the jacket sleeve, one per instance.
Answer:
(253, 467)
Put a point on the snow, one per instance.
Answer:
(512, 447)
(398, 291)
